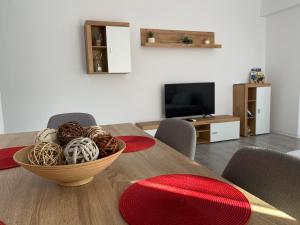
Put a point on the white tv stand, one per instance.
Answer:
(208, 129)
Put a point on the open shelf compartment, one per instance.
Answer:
(203, 133)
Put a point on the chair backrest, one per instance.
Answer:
(178, 134)
(272, 176)
(84, 119)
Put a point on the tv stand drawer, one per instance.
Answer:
(224, 131)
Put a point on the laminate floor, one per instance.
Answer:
(216, 155)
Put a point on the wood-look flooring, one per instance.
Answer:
(216, 155)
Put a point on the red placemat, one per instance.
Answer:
(181, 199)
(1, 223)
(136, 143)
(6, 157)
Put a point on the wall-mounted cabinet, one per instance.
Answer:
(175, 39)
(107, 47)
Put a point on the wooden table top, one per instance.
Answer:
(28, 199)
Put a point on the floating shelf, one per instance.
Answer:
(252, 100)
(95, 47)
(172, 39)
(180, 45)
(201, 131)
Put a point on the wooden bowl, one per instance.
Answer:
(68, 175)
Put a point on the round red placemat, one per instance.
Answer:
(181, 199)
(136, 143)
(6, 158)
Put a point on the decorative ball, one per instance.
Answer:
(69, 131)
(207, 41)
(46, 154)
(107, 145)
(81, 150)
(46, 135)
(94, 131)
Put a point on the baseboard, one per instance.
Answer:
(285, 133)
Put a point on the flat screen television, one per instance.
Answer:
(189, 99)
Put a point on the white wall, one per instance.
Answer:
(1, 117)
(42, 57)
(298, 133)
(269, 7)
(283, 68)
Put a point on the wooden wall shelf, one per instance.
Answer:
(172, 39)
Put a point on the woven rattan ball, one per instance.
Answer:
(46, 154)
(69, 131)
(94, 131)
(46, 135)
(81, 150)
(107, 145)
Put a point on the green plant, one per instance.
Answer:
(151, 34)
(187, 40)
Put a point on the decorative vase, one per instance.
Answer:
(98, 68)
(151, 40)
(98, 42)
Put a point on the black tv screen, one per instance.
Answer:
(189, 99)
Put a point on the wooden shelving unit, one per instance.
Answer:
(244, 99)
(172, 39)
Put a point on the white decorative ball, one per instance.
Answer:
(81, 150)
(47, 135)
(207, 41)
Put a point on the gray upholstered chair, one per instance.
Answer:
(84, 119)
(269, 175)
(178, 134)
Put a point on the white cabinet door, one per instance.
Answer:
(263, 109)
(118, 49)
(224, 131)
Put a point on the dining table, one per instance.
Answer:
(27, 199)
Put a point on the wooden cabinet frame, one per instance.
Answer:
(244, 99)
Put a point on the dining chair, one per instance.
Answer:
(84, 119)
(295, 153)
(179, 134)
(270, 175)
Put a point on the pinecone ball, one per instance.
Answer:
(107, 145)
(69, 131)
(94, 131)
(46, 135)
(81, 150)
(46, 154)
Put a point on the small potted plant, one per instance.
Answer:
(187, 40)
(151, 38)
